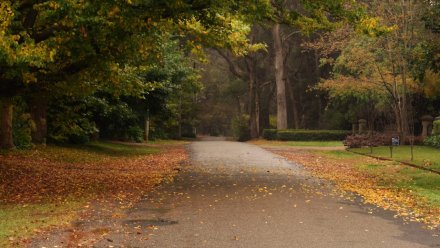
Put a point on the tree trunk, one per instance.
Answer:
(39, 116)
(296, 118)
(6, 138)
(254, 106)
(147, 126)
(279, 78)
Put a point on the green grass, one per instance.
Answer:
(19, 222)
(422, 183)
(423, 155)
(119, 150)
(300, 143)
(339, 154)
(92, 152)
(315, 143)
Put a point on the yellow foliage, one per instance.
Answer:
(431, 83)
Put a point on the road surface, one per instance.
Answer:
(239, 195)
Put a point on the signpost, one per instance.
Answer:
(395, 141)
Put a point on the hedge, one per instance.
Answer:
(270, 134)
(305, 135)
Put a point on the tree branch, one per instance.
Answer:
(232, 66)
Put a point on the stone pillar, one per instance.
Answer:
(362, 126)
(426, 125)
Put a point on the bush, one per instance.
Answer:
(240, 128)
(22, 130)
(360, 140)
(436, 128)
(433, 141)
(135, 134)
(270, 134)
(312, 135)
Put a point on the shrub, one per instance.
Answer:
(270, 134)
(22, 129)
(240, 128)
(314, 135)
(135, 133)
(433, 141)
(436, 128)
(360, 140)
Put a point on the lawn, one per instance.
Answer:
(19, 222)
(413, 193)
(394, 174)
(47, 186)
(423, 155)
(299, 143)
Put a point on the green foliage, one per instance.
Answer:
(22, 130)
(22, 126)
(312, 135)
(70, 121)
(270, 134)
(240, 128)
(436, 127)
(113, 117)
(135, 133)
(433, 141)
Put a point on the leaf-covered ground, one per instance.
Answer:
(413, 194)
(44, 187)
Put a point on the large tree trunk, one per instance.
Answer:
(254, 100)
(296, 118)
(147, 127)
(279, 78)
(6, 138)
(39, 116)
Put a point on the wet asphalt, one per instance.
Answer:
(239, 195)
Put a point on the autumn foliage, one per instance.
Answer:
(47, 174)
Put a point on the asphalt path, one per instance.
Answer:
(239, 195)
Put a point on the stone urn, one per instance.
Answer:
(427, 121)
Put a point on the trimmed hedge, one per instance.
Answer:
(270, 134)
(305, 135)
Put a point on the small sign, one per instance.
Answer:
(395, 141)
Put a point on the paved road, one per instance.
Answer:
(239, 195)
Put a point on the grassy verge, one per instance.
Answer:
(413, 193)
(20, 222)
(424, 156)
(48, 186)
(421, 183)
(298, 143)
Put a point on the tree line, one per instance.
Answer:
(330, 64)
(72, 70)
